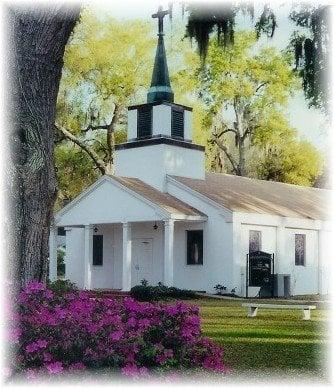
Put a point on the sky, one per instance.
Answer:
(309, 122)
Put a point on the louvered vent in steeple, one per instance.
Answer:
(178, 123)
(144, 122)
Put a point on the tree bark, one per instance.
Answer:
(36, 47)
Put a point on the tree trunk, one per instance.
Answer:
(241, 170)
(36, 48)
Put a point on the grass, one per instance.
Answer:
(274, 341)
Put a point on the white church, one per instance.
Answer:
(163, 218)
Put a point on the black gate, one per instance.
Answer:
(259, 272)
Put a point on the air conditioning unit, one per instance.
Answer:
(282, 285)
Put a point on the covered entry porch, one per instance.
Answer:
(131, 252)
(120, 233)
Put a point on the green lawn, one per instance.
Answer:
(274, 341)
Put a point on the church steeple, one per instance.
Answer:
(160, 89)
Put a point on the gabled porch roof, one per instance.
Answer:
(120, 199)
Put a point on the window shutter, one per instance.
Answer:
(177, 123)
(144, 122)
(97, 249)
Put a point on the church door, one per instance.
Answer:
(142, 260)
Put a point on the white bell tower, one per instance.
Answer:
(159, 138)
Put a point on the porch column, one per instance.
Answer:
(88, 248)
(168, 253)
(53, 254)
(127, 253)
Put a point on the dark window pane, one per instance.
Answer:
(300, 242)
(255, 241)
(195, 247)
(144, 122)
(61, 231)
(177, 123)
(97, 249)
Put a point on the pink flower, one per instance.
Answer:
(132, 322)
(77, 366)
(144, 323)
(47, 357)
(32, 347)
(41, 344)
(132, 370)
(116, 335)
(34, 286)
(55, 367)
(49, 294)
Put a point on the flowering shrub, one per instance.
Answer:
(54, 333)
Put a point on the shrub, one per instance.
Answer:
(54, 333)
(61, 286)
(147, 293)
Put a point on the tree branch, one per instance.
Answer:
(93, 155)
(94, 127)
(223, 147)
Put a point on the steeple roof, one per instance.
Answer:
(160, 89)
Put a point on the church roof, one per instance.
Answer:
(163, 200)
(247, 195)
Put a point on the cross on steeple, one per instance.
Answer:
(160, 16)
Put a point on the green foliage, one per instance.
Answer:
(288, 160)
(107, 66)
(75, 172)
(311, 47)
(60, 287)
(106, 62)
(146, 293)
(246, 89)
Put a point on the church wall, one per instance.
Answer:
(152, 163)
(269, 244)
(278, 237)
(304, 279)
(217, 265)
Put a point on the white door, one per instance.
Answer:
(142, 260)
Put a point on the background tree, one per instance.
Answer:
(246, 90)
(107, 67)
(107, 64)
(310, 42)
(312, 51)
(37, 38)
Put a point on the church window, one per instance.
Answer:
(255, 241)
(144, 122)
(300, 244)
(97, 249)
(61, 231)
(177, 123)
(194, 247)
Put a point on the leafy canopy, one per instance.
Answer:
(246, 89)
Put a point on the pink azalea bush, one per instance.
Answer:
(55, 333)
